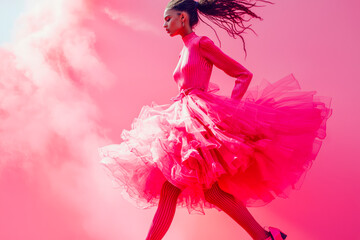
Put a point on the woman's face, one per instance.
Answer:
(173, 22)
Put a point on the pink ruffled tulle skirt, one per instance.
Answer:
(257, 148)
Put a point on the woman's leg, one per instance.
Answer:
(165, 211)
(236, 210)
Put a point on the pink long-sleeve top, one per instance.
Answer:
(197, 58)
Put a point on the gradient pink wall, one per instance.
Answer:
(77, 72)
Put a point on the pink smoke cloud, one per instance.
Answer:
(50, 126)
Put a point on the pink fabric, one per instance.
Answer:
(256, 148)
(197, 58)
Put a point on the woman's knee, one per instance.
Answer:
(169, 188)
(215, 192)
(211, 192)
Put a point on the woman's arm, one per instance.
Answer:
(231, 67)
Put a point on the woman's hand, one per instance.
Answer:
(241, 85)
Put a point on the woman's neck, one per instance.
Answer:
(186, 32)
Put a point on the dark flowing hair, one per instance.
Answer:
(230, 15)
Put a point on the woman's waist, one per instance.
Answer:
(186, 91)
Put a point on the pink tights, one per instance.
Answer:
(231, 206)
(165, 211)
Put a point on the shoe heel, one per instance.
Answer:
(276, 234)
(283, 235)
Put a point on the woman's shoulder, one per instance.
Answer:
(204, 42)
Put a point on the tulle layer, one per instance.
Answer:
(257, 149)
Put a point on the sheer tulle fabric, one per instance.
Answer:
(257, 149)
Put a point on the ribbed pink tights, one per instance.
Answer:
(234, 208)
(165, 211)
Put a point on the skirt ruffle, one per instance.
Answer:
(257, 149)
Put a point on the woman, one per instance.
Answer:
(210, 151)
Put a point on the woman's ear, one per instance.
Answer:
(183, 16)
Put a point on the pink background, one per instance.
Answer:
(75, 73)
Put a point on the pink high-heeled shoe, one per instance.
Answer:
(276, 234)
